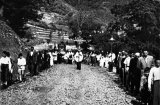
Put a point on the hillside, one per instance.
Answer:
(92, 4)
(9, 40)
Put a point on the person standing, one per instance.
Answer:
(65, 57)
(98, 58)
(21, 67)
(93, 58)
(78, 59)
(70, 58)
(135, 73)
(5, 66)
(10, 73)
(154, 77)
(46, 59)
(31, 61)
(126, 71)
(123, 67)
(51, 59)
(102, 61)
(119, 59)
(146, 62)
(112, 57)
(54, 54)
(39, 61)
(106, 61)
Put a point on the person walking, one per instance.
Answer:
(154, 77)
(21, 66)
(78, 59)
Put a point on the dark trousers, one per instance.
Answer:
(121, 74)
(10, 80)
(156, 92)
(79, 65)
(135, 82)
(110, 66)
(55, 62)
(4, 72)
(31, 68)
(69, 61)
(39, 67)
(127, 80)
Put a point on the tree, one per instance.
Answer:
(140, 20)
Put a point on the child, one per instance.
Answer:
(21, 66)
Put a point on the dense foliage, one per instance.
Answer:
(144, 14)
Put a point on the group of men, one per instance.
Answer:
(134, 70)
(138, 72)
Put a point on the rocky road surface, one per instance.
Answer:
(64, 85)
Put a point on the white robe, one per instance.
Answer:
(78, 57)
(102, 61)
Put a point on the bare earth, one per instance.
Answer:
(64, 85)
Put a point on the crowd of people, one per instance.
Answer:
(33, 63)
(139, 73)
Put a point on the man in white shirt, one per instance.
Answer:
(154, 77)
(78, 59)
(5, 65)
